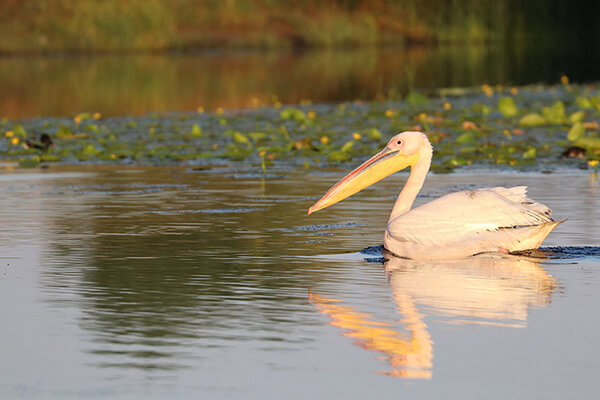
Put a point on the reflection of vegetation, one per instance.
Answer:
(478, 290)
(158, 24)
(63, 86)
(139, 84)
(517, 127)
(161, 262)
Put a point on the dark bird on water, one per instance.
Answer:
(44, 143)
(574, 152)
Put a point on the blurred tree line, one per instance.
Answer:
(122, 25)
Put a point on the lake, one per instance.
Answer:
(155, 282)
(138, 84)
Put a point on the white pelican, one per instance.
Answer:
(454, 226)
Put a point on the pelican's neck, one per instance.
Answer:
(414, 183)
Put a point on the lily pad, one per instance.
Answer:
(555, 114)
(63, 132)
(347, 146)
(530, 153)
(576, 132)
(590, 143)
(374, 134)
(584, 103)
(577, 116)
(532, 119)
(467, 138)
(196, 131)
(239, 137)
(293, 114)
(507, 106)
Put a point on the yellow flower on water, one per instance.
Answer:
(324, 140)
(593, 163)
(200, 110)
(389, 113)
(15, 141)
(514, 91)
(422, 117)
(9, 134)
(113, 156)
(311, 114)
(564, 80)
(277, 104)
(447, 106)
(97, 115)
(356, 136)
(77, 119)
(262, 153)
(215, 146)
(487, 89)
(220, 111)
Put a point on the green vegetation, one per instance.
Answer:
(526, 127)
(113, 25)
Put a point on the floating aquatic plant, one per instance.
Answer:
(493, 126)
(507, 106)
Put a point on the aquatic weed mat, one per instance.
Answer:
(536, 127)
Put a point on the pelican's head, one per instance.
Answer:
(403, 150)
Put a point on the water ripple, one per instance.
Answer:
(209, 211)
(311, 228)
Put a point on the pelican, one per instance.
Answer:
(456, 225)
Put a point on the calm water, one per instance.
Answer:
(166, 282)
(139, 84)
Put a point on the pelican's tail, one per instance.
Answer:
(546, 229)
(535, 235)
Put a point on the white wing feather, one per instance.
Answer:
(469, 215)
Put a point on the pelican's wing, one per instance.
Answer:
(518, 194)
(464, 216)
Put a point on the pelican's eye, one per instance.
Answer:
(399, 142)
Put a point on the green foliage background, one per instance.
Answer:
(123, 25)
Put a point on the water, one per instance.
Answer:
(121, 282)
(117, 85)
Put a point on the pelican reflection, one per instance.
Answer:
(485, 290)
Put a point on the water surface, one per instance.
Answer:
(116, 85)
(126, 282)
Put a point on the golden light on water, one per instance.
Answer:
(480, 291)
